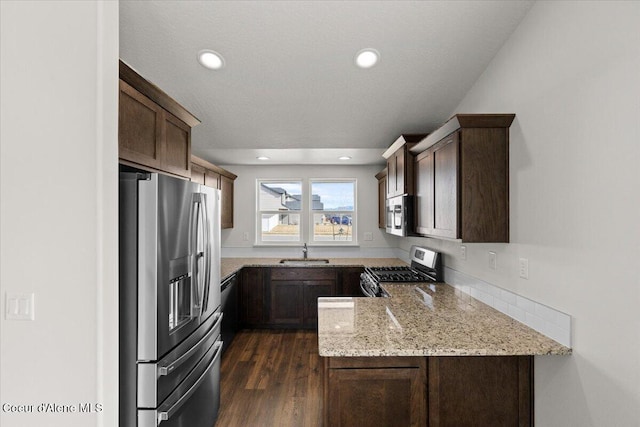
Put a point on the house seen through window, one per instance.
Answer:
(320, 211)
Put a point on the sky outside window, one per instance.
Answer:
(335, 196)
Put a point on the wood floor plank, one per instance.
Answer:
(271, 378)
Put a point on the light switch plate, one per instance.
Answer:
(19, 306)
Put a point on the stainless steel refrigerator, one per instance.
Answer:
(170, 315)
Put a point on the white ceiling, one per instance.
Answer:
(290, 86)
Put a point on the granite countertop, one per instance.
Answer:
(228, 266)
(423, 320)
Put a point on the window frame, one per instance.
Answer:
(312, 212)
(259, 213)
(306, 213)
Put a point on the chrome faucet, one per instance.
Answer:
(305, 251)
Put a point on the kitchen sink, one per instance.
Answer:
(303, 262)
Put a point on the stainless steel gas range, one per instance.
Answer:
(426, 266)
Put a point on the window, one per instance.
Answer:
(320, 211)
(280, 203)
(333, 207)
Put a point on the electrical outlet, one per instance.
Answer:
(19, 306)
(492, 260)
(368, 235)
(245, 236)
(524, 268)
(463, 252)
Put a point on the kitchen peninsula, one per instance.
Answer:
(427, 355)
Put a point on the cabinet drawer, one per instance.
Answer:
(304, 273)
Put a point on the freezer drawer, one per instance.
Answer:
(158, 379)
(195, 403)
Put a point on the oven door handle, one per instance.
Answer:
(364, 290)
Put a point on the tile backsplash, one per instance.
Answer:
(546, 320)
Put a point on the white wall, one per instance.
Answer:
(233, 243)
(571, 73)
(58, 223)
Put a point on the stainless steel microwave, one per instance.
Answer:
(399, 218)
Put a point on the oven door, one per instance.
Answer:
(367, 286)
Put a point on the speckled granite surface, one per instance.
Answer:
(229, 266)
(424, 320)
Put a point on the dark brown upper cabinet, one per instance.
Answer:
(214, 176)
(154, 131)
(462, 179)
(400, 165)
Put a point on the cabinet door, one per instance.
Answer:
(177, 151)
(286, 302)
(197, 173)
(382, 192)
(480, 391)
(313, 289)
(212, 179)
(401, 171)
(376, 397)
(424, 199)
(350, 282)
(446, 188)
(140, 128)
(391, 176)
(252, 296)
(226, 187)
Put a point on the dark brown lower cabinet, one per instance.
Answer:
(374, 391)
(295, 303)
(251, 297)
(294, 295)
(350, 282)
(314, 289)
(461, 391)
(285, 304)
(480, 391)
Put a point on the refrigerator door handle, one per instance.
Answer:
(167, 369)
(196, 224)
(207, 255)
(166, 415)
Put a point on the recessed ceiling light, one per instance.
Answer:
(367, 58)
(262, 158)
(344, 158)
(210, 59)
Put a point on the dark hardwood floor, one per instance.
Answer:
(271, 378)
